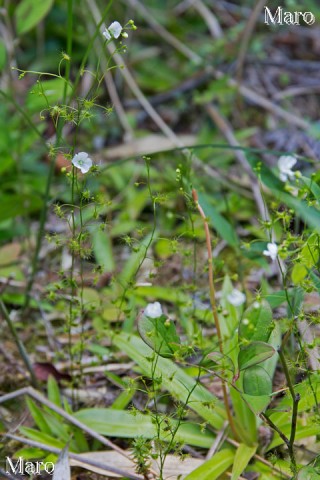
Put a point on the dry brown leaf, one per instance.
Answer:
(174, 466)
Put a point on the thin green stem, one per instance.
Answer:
(44, 211)
(295, 400)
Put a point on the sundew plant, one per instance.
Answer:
(159, 242)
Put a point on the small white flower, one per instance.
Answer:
(113, 31)
(236, 298)
(285, 164)
(153, 310)
(82, 161)
(272, 251)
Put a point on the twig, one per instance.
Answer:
(227, 132)
(209, 18)
(214, 306)
(21, 347)
(220, 438)
(75, 456)
(31, 392)
(247, 33)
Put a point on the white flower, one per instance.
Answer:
(236, 298)
(272, 251)
(82, 161)
(153, 310)
(114, 30)
(285, 164)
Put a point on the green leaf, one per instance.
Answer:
(174, 379)
(213, 468)
(243, 456)
(173, 295)
(309, 257)
(254, 353)
(257, 404)
(131, 267)
(219, 362)
(308, 473)
(256, 381)
(53, 391)
(42, 437)
(3, 54)
(256, 323)
(38, 416)
(303, 431)
(119, 423)
(46, 93)
(102, 249)
(160, 334)
(29, 13)
(218, 222)
(16, 204)
(308, 213)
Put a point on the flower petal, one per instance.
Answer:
(153, 310)
(115, 29)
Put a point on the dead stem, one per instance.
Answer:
(214, 306)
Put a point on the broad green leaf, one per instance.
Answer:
(315, 280)
(174, 379)
(303, 431)
(219, 362)
(38, 417)
(309, 257)
(136, 258)
(313, 186)
(29, 453)
(256, 381)
(166, 294)
(243, 456)
(3, 54)
(53, 391)
(254, 353)
(42, 437)
(160, 334)
(102, 249)
(218, 222)
(308, 473)
(308, 213)
(18, 204)
(257, 404)
(30, 12)
(256, 323)
(45, 94)
(119, 423)
(245, 419)
(213, 468)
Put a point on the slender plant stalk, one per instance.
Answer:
(44, 211)
(286, 440)
(214, 306)
(295, 400)
(20, 345)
